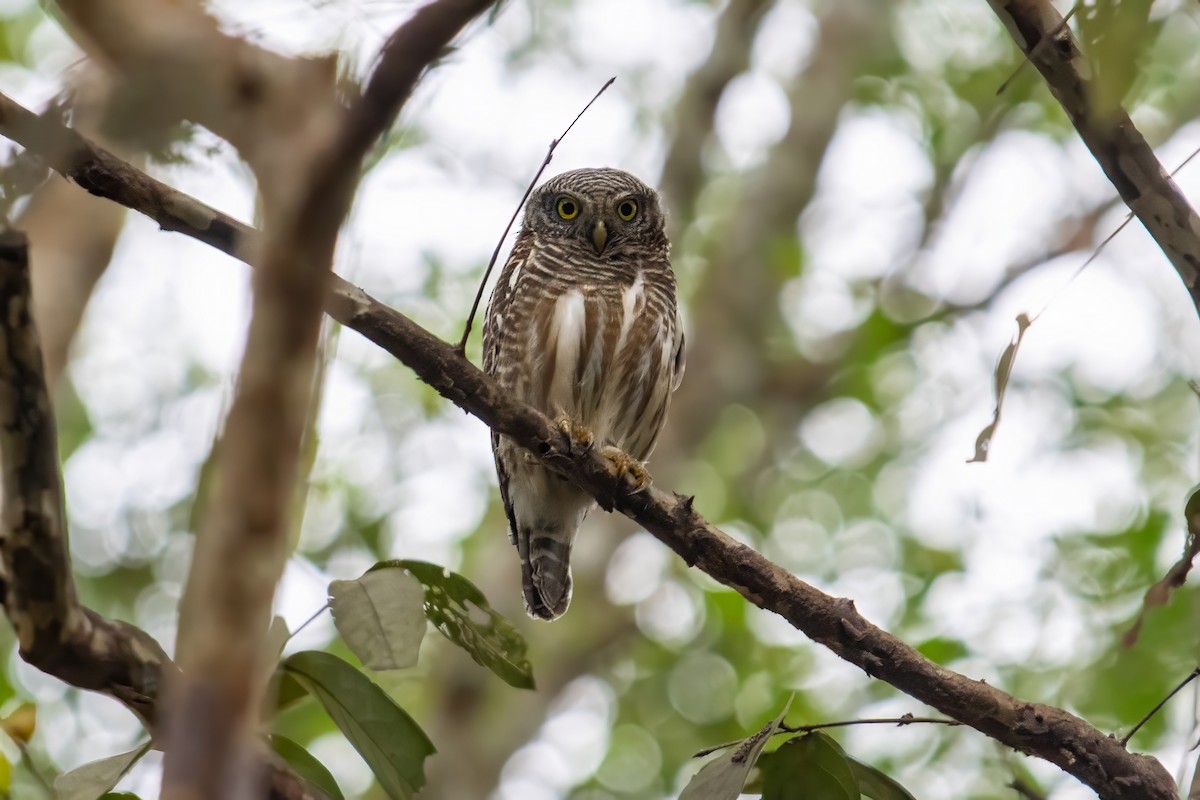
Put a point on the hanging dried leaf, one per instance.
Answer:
(1003, 371)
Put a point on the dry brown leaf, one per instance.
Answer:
(1003, 371)
(1160, 592)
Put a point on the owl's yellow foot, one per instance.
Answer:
(579, 435)
(621, 464)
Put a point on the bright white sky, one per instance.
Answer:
(1122, 326)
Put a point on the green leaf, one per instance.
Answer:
(462, 614)
(306, 766)
(277, 636)
(942, 650)
(387, 738)
(875, 784)
(381, 617)
(120, 796)
(96, 778)
(289, 691)
(809, 767)
(723, 777)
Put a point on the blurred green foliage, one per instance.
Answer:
(818, 449)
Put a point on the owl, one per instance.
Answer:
(583, 326)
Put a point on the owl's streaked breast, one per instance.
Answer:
(594, 353)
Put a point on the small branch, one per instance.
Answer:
(899, 722)
(1149, 715)
(1110, 135)
(1044, 731)
(462, 344)
(105, 175)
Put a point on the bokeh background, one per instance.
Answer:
(858, 216)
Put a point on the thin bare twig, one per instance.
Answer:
(462, 344)
(1150, 714)
(899, 722)
(1008, 357)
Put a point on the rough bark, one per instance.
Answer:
(1104, 126)
(55, 632)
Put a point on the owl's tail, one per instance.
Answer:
(545, 570)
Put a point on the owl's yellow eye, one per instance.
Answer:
(567, 208)
(627, 210)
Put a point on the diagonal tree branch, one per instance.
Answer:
(1044, 731)
(1050, 733)
(105, 175)
(1110, 135)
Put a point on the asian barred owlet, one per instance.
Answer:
(582, 325)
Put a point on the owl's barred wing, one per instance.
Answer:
(501, 301)
(493, 330)
(679, 362)
(502, 479)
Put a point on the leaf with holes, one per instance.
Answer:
(381, 617)
(462, 614)
(724, 776)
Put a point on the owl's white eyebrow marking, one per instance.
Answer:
(629, 302)
(570, 321)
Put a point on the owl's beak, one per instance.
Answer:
(599, 237)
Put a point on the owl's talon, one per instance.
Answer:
(579, 436)
(622, 464)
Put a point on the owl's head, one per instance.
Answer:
(603, 209)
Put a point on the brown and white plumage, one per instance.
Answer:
(582, 324)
